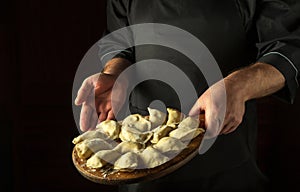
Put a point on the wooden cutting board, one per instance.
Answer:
(138, 175)
(116, 178)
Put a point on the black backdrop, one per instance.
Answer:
(42, 43)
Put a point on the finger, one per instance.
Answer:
(226, 128)
(231, 123)
(116, 107)
(196, 109)
(83, 92)
(103, 109)
(110, 115)
(85, 116)
(213, 125)
(232, 129)
(211, 130)
(102, 116)
(94, 120)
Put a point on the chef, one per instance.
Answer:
(256, 44)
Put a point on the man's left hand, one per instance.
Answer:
(223, 106)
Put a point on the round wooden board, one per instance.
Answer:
(118, 177)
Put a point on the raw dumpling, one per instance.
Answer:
(174, 116)
(156, 117)
(190, 122)
(169, 145)
(86, 148)
(89, 135)
(152, 157)
(127, 162)
(101, 158)
(133, 135)
(128, 146)
(161, 132)
(110, 127)
(186, 134)
(138, 122)
(174, 125)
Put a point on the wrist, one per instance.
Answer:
(116, 66)
(236, 88)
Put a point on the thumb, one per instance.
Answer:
(196, 109)
(212, 124)
(83, 92)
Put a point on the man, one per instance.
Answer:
(256, 44)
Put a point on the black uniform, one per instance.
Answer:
(237, 33)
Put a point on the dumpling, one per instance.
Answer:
(161, 132)
(156, 117)
(86, 148)
(190, 122)
(174, 116)
(127, 162)
(89, 135)
(101, 158)
(138, 122)
(185, 133)
(128, 146)
(110, 127)
(152, 158)
(169, 145)
(131, 119)
(174, 125)
(133, 135)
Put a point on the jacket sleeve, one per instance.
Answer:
(117, 39)
(278, 31)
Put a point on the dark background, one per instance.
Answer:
(42, 44)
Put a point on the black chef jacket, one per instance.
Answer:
(237, 33)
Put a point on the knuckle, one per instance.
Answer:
(230, 117)
(237, 120)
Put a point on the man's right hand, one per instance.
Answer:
(95, 95)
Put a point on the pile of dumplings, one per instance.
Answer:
(137, 142)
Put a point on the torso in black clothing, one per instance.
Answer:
(218, 24)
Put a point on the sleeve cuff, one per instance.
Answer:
(289, 71)
(126, 54)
